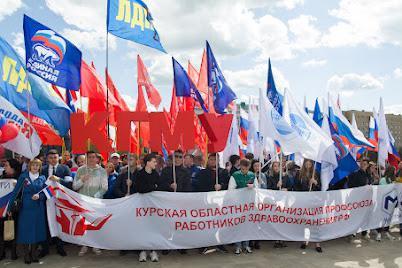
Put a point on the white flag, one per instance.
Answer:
(233, 142)
(272, 125)
(383, 137)
(307, 129)
(330, 164)
(27, 142)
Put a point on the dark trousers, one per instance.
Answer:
(31, 252)
(51, 240)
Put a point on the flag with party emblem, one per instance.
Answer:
(223, 94)
(131, 20)
(50, 56)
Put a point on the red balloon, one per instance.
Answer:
(8, 132)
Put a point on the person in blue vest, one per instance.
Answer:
(62, 174)
(242, 179)
(32, 218)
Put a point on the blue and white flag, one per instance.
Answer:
(346, 162)
(43, 101)
(51, 56)
(131, 20)
(307, 129)
(273, 126)
(272, 93)
(223, 94)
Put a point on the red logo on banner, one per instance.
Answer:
(74, 218)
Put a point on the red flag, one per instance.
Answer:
(143, 127)
(47, 135)
(121, 107)
(202, 85)
(92, 87)
(143, 79)
(112, 89)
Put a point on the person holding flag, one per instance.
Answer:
(242, 179)
(307, 181)
(32, 218)
(91, 180)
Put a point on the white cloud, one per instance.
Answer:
(393, 109)
(130, 101)
(89, 14)
(289, 4)
(349, 83)
(8, 7)
(91, 40)
(368, 22)
(314, 63)
(88, 21)
(18, 44)
(398, 73)
(184, 26)
(249, 81)
(306, 34)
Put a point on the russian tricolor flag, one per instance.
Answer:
(49, 192)
(344, 129)
(244, 126)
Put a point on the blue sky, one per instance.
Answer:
(348, 47)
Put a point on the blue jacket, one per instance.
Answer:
(63, 172)
(111, 180)
(31, 218)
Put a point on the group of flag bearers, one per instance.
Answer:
(325, 145)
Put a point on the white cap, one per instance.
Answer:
(114, 155)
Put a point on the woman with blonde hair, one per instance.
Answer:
(32, 218)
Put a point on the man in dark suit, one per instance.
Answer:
(62, 174)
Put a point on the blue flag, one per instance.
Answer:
(14, 87)
(317, 115)
(131, 20)
(185, 86)
(273, 95)
(70, 101)
(223, 94)
(346, 162)
(51, 56)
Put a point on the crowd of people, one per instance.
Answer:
(124, 175)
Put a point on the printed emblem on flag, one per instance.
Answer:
(48, 48)
(280, 125)
(300, 126)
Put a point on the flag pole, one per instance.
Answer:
(261, 161)
(280, 167)
(107, 82)
(29, 112)
(313, 175)
(174, 169)
(217, 169)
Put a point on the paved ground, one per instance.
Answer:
(337, 253)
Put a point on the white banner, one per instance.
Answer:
(164, 220)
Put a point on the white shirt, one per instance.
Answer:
(50, 171)
(33, 176)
